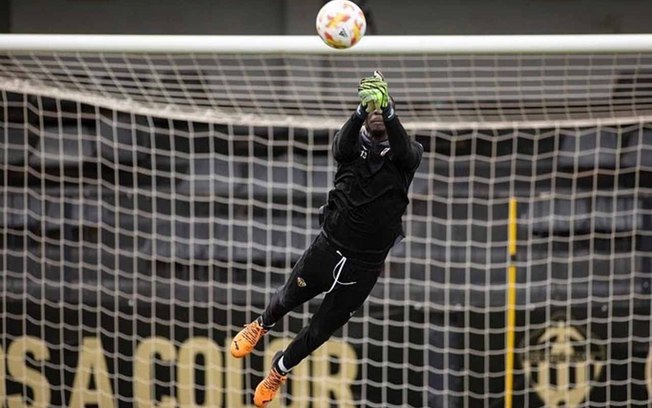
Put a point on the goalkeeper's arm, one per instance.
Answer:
(346, 145)
(406, 151)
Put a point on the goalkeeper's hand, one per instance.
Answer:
(373, 92)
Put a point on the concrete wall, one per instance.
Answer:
(297, 16)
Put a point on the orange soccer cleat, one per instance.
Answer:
(245, 341)
(269, 386)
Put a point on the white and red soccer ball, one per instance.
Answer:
(341, 23)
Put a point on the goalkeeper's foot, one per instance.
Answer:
(245, 341)
(269, 386)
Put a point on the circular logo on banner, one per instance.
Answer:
(560, 364)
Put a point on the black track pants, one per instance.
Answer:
(321, 269)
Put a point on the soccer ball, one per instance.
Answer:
(341, 23)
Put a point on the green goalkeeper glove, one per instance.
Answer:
(373, 92)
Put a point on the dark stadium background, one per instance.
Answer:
(290, 16)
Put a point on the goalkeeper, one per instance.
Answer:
(360, 224)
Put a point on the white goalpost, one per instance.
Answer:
(158, 189)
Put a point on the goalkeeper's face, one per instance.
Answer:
(376, 126)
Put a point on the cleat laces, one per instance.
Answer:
(253, 334)
(274, 380)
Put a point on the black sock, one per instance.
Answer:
(262, 323)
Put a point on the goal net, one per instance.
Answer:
(154, 198)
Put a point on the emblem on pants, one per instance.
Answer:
(300, 282)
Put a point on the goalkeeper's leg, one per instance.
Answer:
(310, 276)
(335, 310)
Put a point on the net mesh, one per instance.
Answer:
(311, 89)
(152, 204)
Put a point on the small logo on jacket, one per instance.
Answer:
(300, 282)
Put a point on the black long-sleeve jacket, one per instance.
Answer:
(365, 207)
